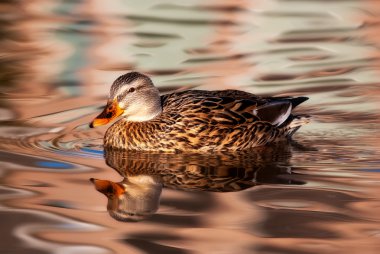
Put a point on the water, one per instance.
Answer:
(319, 194)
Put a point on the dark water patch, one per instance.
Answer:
(358, 63)
(77, 30)
(140, 55)
(5, 192)
(225, 8)
(184, 22)
(369, 23)
(59, 204)
(10, 243)
(40, 185)
(339, 200)
(218, 58)
(151, 247)
(157, 35)
(286, 176)
(124, 66)
(149, 44)
(277, 77)
(66, 83)
(375, 170)
(199, 51)
(85, 22)
(321, 31)
(313, 39)
(302, 224)
(221, 42)
(312, 74)
(262, 248)
(188, 221)
(289, 50)
(210, 8)
(328, 72)
(156, 236)
(196, 202)
(295, 14)
(164, 72)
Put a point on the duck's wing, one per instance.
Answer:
(229, 107)
(171, 99)
(275, 110)
(235, 94)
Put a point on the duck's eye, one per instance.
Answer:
(131, 90)
(109, 190)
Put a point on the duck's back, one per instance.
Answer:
(198, 120)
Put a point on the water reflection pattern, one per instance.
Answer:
(137, 196)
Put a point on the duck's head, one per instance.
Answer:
(133, 199)
(132, 96)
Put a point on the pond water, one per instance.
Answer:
(317, 194)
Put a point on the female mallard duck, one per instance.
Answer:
(193, 120)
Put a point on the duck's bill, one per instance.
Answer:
(110, 112)
(107, 187)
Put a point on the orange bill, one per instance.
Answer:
(110, 112)
(107, 187)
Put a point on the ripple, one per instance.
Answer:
(77, 143)
(28, 226)
(78, 147)
(35, 162)
(328, 72)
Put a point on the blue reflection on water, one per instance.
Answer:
(376, 170)
(93, 151)
(53, 164)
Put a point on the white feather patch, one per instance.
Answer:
(271, 109)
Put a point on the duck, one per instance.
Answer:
(193, 120)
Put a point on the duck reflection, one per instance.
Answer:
(133, 199)
(145, 173)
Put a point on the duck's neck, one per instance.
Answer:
(145, 112)
(143, 117)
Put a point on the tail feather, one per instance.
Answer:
(297, 101)
(295, 123)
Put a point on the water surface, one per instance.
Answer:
(318, 194)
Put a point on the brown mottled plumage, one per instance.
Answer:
(196, 120)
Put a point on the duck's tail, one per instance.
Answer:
(293, 123)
